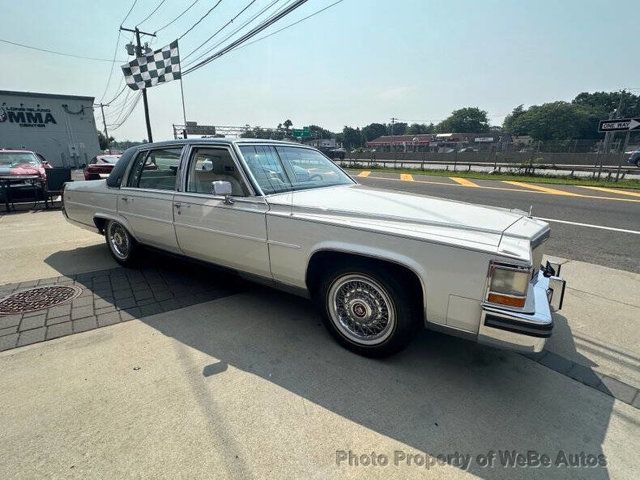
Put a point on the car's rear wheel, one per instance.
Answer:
(367, 311)
(121, 244)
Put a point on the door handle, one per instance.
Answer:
(125, 199)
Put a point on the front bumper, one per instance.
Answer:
(525, 332)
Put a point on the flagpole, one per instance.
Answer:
(184, 111)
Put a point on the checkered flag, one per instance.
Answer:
(153, 68)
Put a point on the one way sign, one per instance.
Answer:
(619, 125)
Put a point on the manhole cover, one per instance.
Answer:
(37, 298)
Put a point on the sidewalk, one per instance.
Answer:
(599, 324)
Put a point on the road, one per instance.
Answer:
(603, 228)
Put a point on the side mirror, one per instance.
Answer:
(220, 188)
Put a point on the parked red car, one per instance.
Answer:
(22, 162)
(15, 164)
(100, 166)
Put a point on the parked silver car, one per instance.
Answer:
(380, 264)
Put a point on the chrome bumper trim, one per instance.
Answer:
(526, 332)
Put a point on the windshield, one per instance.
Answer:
(13, 159)
(283, 168)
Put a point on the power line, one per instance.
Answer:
(117, 94)
(115, 53)
(64, 54)
(291, 24)
(202, 18)
(231, 34)
(116, 121)
(172, 21)
(217, 31)
(132, 107)
(129, 12)
(267, 23)
(113, 62)
(149, 16)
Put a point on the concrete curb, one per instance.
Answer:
(606, 384)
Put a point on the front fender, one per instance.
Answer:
(378, 254)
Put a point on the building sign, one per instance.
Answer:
(26, 116)
(483, 139)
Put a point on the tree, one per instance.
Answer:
(420, 128)
(319, 132)
(102, 140)
(373, 131)
(552, 121)
(352, 138)
(603, 103)
(398, 128)
(287, 125)
(465, 120)
(510, 124)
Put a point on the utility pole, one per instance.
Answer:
(393, 121)
(104, 122)
(144, 90)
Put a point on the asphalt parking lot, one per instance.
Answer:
(176, 370)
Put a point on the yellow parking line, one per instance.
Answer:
(552, 191)
(406, 177)
(464, 182)
(612, 190)
(364, 173)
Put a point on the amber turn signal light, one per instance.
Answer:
(508, 300)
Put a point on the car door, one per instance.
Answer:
(229, 232)
(146, 199)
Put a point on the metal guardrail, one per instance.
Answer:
(617, 172)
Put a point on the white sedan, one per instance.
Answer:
(380, 264)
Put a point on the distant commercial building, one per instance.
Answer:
(417, 142)
(321, 142)
(60, 127)
(435, 142)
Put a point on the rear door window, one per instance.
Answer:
(155, 169)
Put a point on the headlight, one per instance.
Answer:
(508, 285)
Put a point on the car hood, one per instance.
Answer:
(416, 216)
(17, 170)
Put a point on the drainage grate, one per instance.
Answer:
(37, 298)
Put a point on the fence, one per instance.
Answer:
(608, 164)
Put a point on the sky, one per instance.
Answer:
(358, 62)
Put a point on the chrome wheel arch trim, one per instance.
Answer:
(375, 254)
(116, 218)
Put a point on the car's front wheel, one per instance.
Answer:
(369, 312)
(121, 244)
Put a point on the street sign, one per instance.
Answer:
(619, 125)
(301, 133)
(200, 129)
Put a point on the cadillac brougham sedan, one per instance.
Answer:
(380, 264)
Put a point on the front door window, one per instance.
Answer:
(210, 165)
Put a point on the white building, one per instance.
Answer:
(60, 127)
